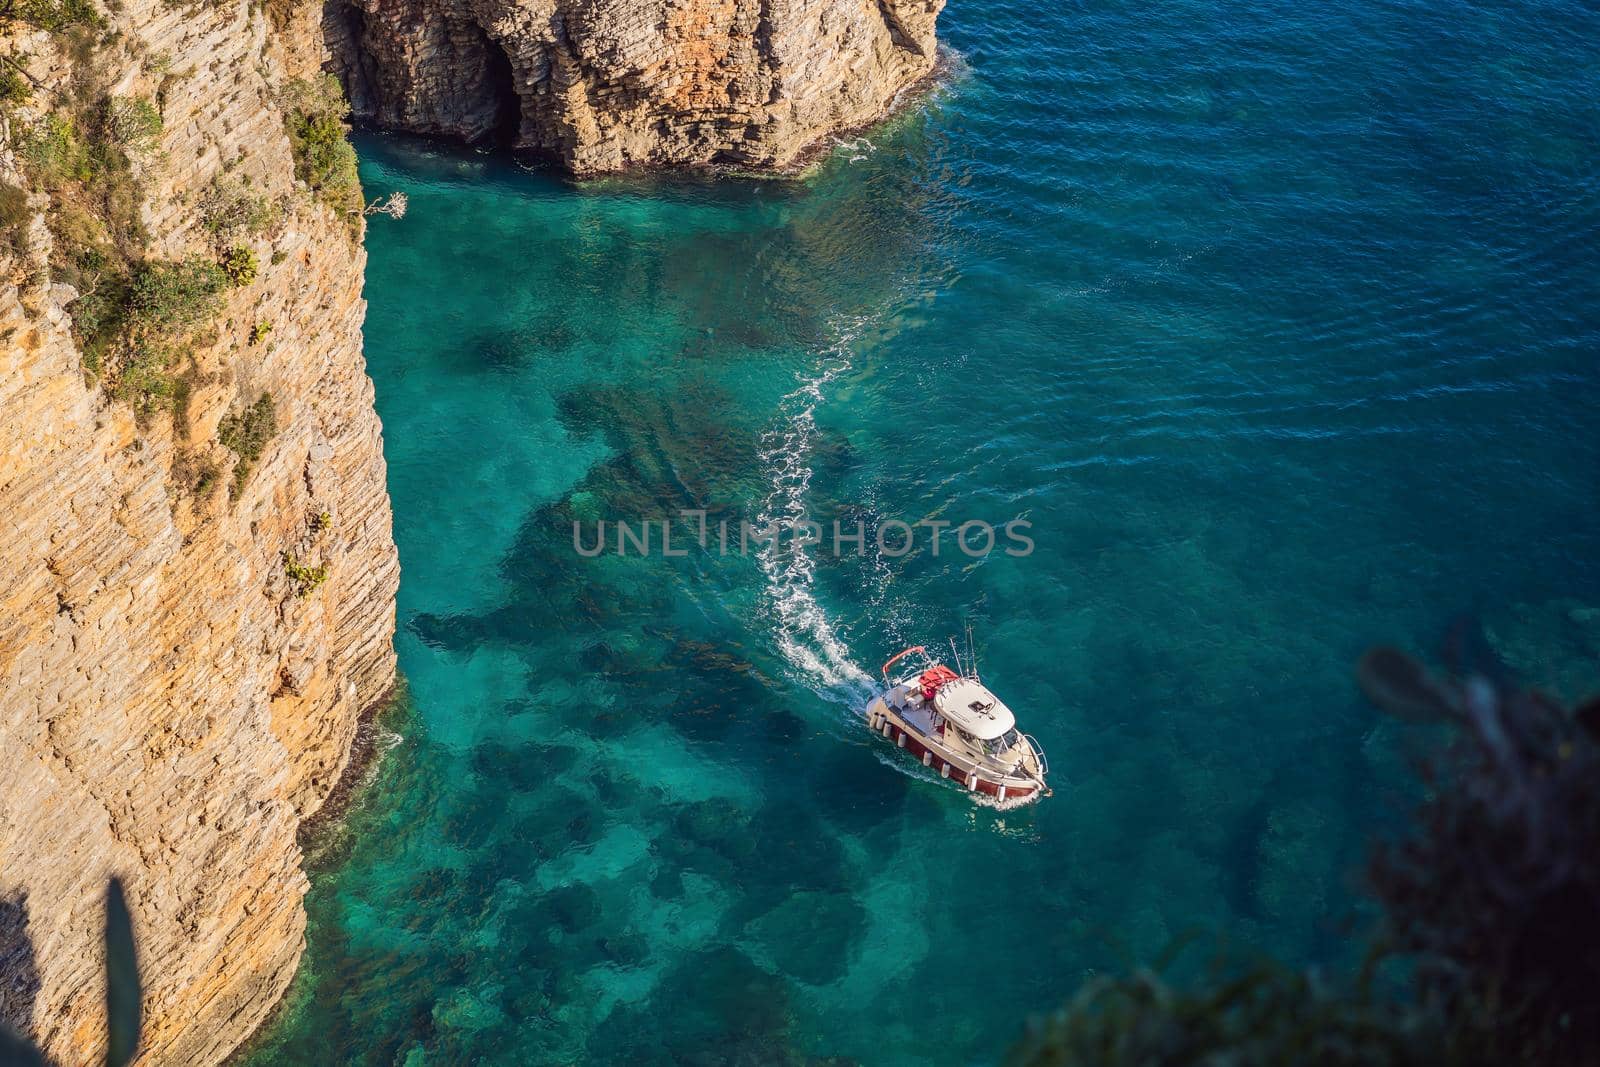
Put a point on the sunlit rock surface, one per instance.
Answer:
(170, 709)
(599, 85)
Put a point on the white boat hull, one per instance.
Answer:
(975, 775)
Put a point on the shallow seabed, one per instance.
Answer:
(1280, 325)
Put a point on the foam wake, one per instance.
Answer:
(803, 632)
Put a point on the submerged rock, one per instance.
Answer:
(1553, 646)
(809, 936)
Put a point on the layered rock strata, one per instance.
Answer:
(183, 666)
(600, 85)
(173, 699)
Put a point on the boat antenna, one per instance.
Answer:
(972, 652)
(956, 654)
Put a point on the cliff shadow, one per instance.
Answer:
(19, 969)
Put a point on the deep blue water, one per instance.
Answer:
(1279, 323)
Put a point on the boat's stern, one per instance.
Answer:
(877, 708)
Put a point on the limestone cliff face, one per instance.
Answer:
(183, 667)
(171, 706)
(599, 85)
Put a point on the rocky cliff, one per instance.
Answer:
(197, 575)
(599, 85)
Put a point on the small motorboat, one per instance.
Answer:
(957, 727)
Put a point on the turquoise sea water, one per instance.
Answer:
(1279, 324)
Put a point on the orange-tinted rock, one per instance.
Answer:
(599, 85)
(170, 709)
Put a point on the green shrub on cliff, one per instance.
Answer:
(89, 145)
(94, 199)
(240, 264)
(14, 88)
(195, 474)
(144, 380)
(54, 152)
(306, 579)
(186, 293)
(246, 433)
(51, 15)
(80, 159)
(128, 311)
(100, 313)
(131, 316)
(130, 322)
(14, 217)
(229, 211)
(85, 257)
(130, 121)
(323, 156)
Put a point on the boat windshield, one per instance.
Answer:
(999, 746)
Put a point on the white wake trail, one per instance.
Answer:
(804, 633)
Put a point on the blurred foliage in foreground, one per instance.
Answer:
(1491, 905)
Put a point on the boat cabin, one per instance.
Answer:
(959, 727)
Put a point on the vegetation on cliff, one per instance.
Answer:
(240, 265)
(14, 217)
(138, 319)
(230, 211)
(323, 156)
(52, 15)
(305, 577)
(166, 295)
(80, 154)
(1491, 910)
(246, 433)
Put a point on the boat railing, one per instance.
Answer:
(1038, 754)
